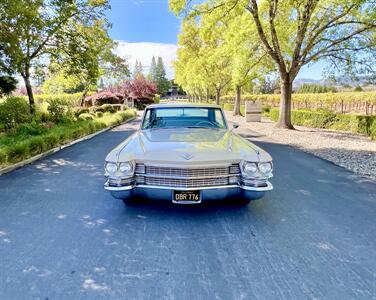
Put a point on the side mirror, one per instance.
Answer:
(235, 125)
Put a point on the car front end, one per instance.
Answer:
(191, 184)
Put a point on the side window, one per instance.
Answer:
(146, 119)
(219, 118)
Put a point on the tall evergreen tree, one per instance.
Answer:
(137, 71)
(152, 72)
(163, 84)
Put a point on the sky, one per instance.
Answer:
(146, 28)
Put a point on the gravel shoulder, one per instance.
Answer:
(354, 152)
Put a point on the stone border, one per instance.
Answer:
(56, 149)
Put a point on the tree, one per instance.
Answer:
(68, 31)
(59, 81)
(115, 69)
(7, 85)
(137, 71)
(296, 33)
(203, 63)
(163, 84)
(152, 76)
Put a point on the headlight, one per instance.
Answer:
(249, 168)
(126, 168)
(110, 167)
(265, 167)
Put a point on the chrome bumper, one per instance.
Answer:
(207, 193)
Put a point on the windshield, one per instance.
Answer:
(183, 117)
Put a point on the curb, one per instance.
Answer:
(56, 149)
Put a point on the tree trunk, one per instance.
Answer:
(217, 96)
(207, 95)
(26, 78)
(284, 120)
(86, 89)
(237, 100)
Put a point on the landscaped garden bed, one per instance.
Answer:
(24, 135)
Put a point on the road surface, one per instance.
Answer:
(63, 237)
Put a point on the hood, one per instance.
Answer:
(186, 146)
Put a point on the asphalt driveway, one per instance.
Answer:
(63, 237)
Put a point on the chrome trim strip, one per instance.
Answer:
(268, 187)
(187, 177)
(248, 188)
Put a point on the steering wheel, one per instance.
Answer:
(205, 121)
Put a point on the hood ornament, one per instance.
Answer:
(186, 156)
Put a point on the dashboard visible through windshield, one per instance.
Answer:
(183, 117)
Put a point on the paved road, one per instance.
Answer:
(63, 237)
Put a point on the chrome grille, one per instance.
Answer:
(186, 183)
(185, 177)
(186, 173)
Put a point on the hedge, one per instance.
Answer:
(329, 120)
(22, 144)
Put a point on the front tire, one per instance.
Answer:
(243, 201)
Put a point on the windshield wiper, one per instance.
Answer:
(201, 127)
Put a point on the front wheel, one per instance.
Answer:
(243, 201)
(129, 201)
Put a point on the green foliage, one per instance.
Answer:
(358, 89)
(315, 88)
(59, 109)
(163, 84)
(73, 99)
(7, 85)
(329, 120)
(59, 82)
(138, 70)
(152, 76)
(86, 116)
(14, 111)
(108, 108)
(30, 33)
(292, 34)
(230, 107)
(31, 140)
(327, 100)
(80, 110)
(99, 114)
(157, 98)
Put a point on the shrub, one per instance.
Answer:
(3, 156)
(31, 129)
(105, 97)
(14, 111)
(18, 152)
(99, 114)
(80, 110)
(108, 108)
(37, 145)
(59, 109)
(324, 119)
(157, 98)
(86, 116)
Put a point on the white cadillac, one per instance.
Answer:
(186, 153)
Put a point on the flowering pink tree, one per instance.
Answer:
(141, 89)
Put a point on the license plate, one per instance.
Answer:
(186, 197)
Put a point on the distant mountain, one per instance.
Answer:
(300, 81)
(339, 81)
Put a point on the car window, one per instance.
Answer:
(189, 117)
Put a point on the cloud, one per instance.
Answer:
(144, 51)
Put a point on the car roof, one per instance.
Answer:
(183, 104)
